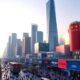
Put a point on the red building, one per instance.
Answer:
(74, 34)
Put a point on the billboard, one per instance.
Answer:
(62, 63)
(73, 65)
(60, 48)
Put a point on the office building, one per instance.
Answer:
(25, 34)
(51, 25)
(39, 37)
(41, 47)
(26, 46)
(19, 47)
(33, 36)
(9, 48)
(7, 51)
(13, 43)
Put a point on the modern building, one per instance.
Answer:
(13, 43)
(74, 35)
(41, 47)
(51, 25)
(39, 37)
(33, 36)
(26, 46)
(19, 47)
(25, 34)
(9, 48)
(74, 32)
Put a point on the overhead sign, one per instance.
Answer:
(62, 63)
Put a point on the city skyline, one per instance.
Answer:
(12, 16)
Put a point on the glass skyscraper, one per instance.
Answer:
(51, 25)
(33, 36)
(39, 37)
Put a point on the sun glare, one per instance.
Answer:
(66, 38)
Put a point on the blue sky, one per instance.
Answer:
(18, 15)
(67, 11)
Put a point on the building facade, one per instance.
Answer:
(7, 51)
(25, 34)
(39, 36)
(74, 35)
(13, 43)
(19, 47)
(33, 36)
(26, 46)
(51, 25)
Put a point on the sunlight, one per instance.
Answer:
(66, 38)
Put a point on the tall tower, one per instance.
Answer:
(13, 43)
(25, 34)
(19, 47)
(51, 25)
(33, 36)
(39, 36)
(9, 48)
(26, 45)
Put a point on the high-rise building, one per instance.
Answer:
(25, 34)
(33, 36)
(39, 36)
(26, 46)
(52, 25)
(9, 48)
(74, 34)
(7, 51)
(19, 47)
(13, 43)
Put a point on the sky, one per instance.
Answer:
(18, 15)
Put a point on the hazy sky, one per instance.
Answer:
(18, 15)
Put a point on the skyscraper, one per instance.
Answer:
(39, 36)
(51, 25)
(19, 47)
(26, 46)
(25, 34)
(33, 36)
(13, 43)
(9, 48)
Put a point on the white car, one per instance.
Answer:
(43, 78)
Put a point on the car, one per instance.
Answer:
(43, 78)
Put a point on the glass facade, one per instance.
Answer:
(33, 35)
(51, 25)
